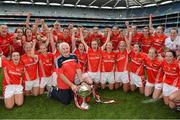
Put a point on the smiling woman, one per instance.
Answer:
(12, 82)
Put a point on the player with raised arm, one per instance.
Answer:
(108, 64)
(34, 27)
(159, 36)
(94, 60)
(18, 41)
(80, 51)
(122, 64)
(146, 40)
(30, 60)
(45, 66)
(136, 35)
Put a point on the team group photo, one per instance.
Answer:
(89, 67)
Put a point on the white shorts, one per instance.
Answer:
(158, 86)
(122, 77)
(107, 77)
(11, 90)
(30, 84)
(95, 76)
(46, 81)
(135, 80)
(54, 79)
(168, 89)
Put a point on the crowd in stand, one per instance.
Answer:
(54, 59)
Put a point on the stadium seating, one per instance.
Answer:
(166, 15)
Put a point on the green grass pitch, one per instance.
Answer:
(128, 105)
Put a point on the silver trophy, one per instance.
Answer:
(84, 91)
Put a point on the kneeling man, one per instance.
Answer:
(67, 67)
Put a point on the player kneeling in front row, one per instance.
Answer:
(30, 61)
(12, 82)
(154, 75)
(137, 68)
(171, 77)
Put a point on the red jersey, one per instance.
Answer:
(146, 43)
(5, 43)
(122, 59)
(67, 39)
(137, 63)
(159, 42)
(171, 72)
(18, 46)
(104, 38)
(45, 65)
(82, 58)
(57, 33)
(94, 58)
(154, 70)
(87, 39)
(108, 61)
(12, 73)
(30, 67)
(136, 38)
(97, 37)
(43, 34)
(77, 35)
(116, 38)
(68, 67)
(60, 37)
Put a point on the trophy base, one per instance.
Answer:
(85, 105)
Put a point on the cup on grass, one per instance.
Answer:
(84, 91)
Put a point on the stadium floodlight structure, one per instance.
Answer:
(109, 4)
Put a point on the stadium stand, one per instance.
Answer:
(167, 15)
